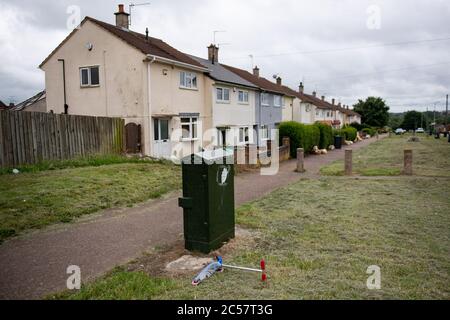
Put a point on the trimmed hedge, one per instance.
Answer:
(326, 135)
(370, 131)
(301, 135)
(348, 133)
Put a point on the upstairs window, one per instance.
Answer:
(89, 76)
(265, 99)
(243, 96)
(223, 94)
(188, 80)
(277, 101)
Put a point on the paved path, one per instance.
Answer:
(34, 265)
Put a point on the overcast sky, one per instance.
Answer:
(347, 49)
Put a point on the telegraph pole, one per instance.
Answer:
(446, 112)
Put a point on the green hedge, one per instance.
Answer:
(370, 131)
(348, 133)
(301, 136)
(326, 135)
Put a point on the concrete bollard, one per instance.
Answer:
(408, 163)
(348, 162)
(300, 160)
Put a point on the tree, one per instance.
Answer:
(413, 120)
(374, 111)
(395, 120)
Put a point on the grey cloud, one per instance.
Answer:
(264, 27)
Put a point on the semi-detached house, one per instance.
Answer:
(232, 100)
(108, 70)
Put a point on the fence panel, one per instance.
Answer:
(31, 137)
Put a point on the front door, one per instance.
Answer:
(161, 146)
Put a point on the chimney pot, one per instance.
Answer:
(314, 93)
(279, 81)
(122, 18)
(301, 87)
(256, 71)
(333, 101)
(323, 98)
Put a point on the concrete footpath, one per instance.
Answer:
(34, 265)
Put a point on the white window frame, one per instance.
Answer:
(277, 101)
(264, 133)
(245, 97)
(222, 99)
(192, 84)
(193, 122)
(267, 96)
(89, 70)
(243, 133)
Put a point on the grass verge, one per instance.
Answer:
(318, 238)
(385, 158)
(38, 199)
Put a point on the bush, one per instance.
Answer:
(348, 133)
(301, 136)
(326, 135)
(370, 131)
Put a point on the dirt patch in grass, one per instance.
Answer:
(385, 158)
(35, 200)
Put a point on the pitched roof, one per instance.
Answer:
(3, 106)
(30, 101)
(152, 46)
(222, 74)
(260, 82)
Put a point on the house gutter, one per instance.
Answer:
(153, 58)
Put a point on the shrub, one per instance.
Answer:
(370, 131)
(326, 135)
(348, 133)
(301, 136)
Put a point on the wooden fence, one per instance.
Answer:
(32, 137)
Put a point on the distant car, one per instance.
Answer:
(399, 131)
(420, 130)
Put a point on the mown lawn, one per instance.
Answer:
(33, 200)
(385, 158)
(319, 236)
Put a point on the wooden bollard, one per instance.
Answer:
(408, 163)
(348, 162)
(252, 154)
(300, 160)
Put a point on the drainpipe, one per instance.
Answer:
(66, 107)
(149, 89)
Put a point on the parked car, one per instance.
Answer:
(399, 131)
(420, 130)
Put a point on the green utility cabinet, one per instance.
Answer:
(208, 200)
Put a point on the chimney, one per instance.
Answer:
(348, 108)
(339, 104)
(146, 34)
(279, 81)
(122, 18)
(314, 93)
(256, 71)
(213, 53)
(333, 101)
(301, 87)
(323, 98)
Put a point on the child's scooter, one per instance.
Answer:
(218, 266)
